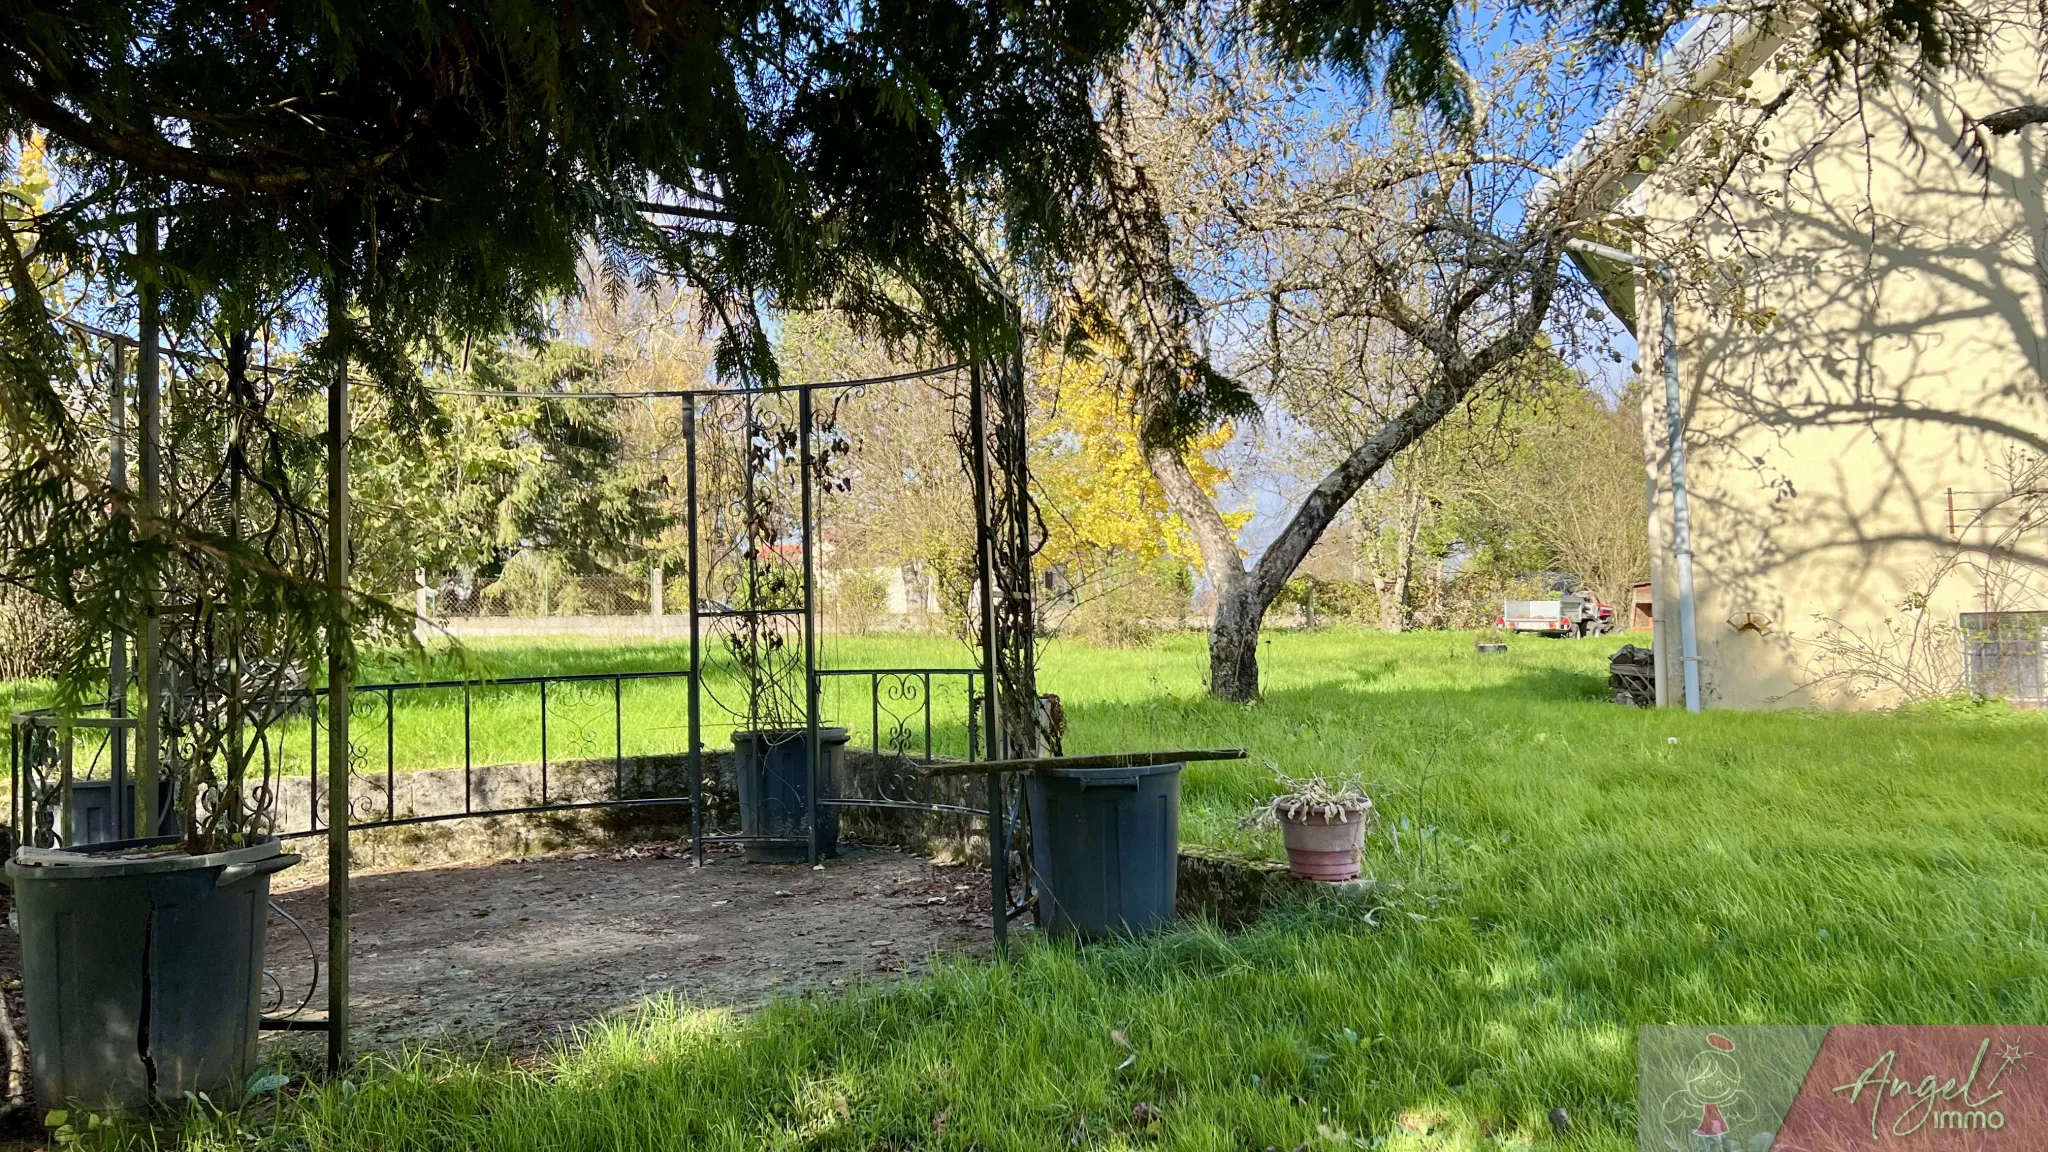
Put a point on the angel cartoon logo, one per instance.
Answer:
(1710, 1103)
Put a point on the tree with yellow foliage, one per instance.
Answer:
(1114, 549)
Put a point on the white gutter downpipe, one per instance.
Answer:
(1681, 516)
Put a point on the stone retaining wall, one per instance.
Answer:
(946, 836)
(1227, 889)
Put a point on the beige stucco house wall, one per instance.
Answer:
(1861, 361)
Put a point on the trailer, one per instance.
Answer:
(1572, 613)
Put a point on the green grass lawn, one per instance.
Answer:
(1560, 870)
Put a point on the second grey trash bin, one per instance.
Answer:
(1105, 843)
(773, 772)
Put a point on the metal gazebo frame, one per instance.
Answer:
(1002, 719)
(995, 457)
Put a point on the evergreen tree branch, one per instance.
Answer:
(2010, 120)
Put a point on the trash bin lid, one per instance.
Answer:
(1110, 775)
(105, 861)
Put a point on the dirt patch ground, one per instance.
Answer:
(516, 952)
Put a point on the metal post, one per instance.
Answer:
(238, 749)
(1681, 518)
(1017, 601)
(339, 680)
(149, 414)
(695, 751)
(543, 740)
(390, 760)
(812, 753)
(117, 642)
(753, 584)
(998, 862)
(64, 768)
(1674, 427)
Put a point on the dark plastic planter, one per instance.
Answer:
(1105, 846)
(773, 771)
(92, 809)
(142, 976)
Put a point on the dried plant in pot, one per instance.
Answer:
(1323, 826)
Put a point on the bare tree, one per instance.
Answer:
(1362, 268)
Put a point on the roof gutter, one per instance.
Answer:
(1714, 48)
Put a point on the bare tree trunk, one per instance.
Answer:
(1234, 633)
(1439, 581)
(1393, 592)
(1244, 594)
(1234, 646)
(1394, 588)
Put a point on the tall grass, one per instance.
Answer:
(1561, 870)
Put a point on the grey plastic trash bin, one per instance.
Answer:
(1105, 843)
(773, 772)
(92, 810)
(143, 975)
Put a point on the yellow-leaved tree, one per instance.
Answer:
(1117, 561)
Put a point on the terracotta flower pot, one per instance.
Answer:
(1323, 847)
